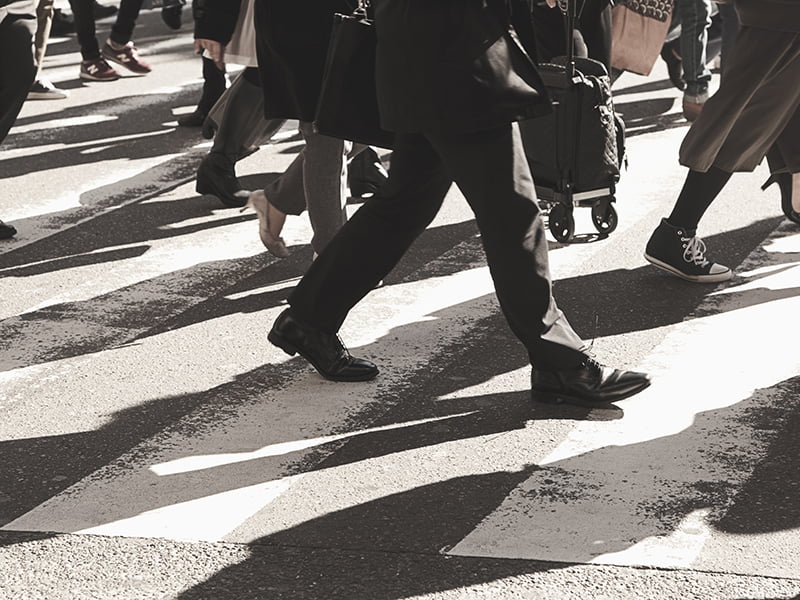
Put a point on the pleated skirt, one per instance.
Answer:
(756, 106)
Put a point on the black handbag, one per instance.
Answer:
(348, 104)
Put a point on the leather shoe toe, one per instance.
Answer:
(590, 384)
(325, 351)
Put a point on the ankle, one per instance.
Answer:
(796, 192)
(679, 227)
(115, 45)
(276, 219)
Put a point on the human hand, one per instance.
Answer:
(215, 50)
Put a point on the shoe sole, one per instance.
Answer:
(90, 78)
(291, 350)
(134, 70)
(693, 278)
(556, 397)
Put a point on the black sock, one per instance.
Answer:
(699, 191)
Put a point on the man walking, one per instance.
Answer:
(453, 116)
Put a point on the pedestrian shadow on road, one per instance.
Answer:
(649, 116)
(116, 213)
(181, 298)
(405, 533)
(405, 544)
(38, 468)
(138, 225)
(412, 543)
(111, 131)
(204, 292)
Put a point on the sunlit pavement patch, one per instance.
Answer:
(649, 489)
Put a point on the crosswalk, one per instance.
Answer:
(137, 385)
(647, 484)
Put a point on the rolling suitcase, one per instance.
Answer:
(575, 153)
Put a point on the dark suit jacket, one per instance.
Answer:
(446, 65)
(292, 40)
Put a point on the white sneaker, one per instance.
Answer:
(43, 89)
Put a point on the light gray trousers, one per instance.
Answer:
(316, 181)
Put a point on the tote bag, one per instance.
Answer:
(348, 103)
(637, 37)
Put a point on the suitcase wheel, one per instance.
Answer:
(561, 222)
(604, 216)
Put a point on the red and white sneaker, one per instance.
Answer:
(97, 69)
(128, 57)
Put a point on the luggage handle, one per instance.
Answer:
(569, 9)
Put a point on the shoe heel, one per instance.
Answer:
(784, 181)
(275, 340)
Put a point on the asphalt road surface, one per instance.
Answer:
(154, 445)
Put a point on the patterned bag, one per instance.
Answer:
(660, 10)
(636, 39)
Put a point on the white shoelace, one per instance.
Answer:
(694, 251)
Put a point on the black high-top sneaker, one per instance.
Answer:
(682, 253)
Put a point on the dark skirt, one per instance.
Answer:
(757, 105)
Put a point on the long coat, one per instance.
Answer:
(292, 41)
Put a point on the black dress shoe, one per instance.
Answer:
(194, 119)
(324, 351)
(7, 231)
(591, 384)
(216, 176)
